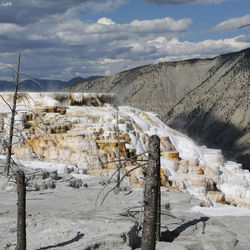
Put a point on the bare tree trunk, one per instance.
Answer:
(158, 218)
(12, 121)
(151, 194)
(21, 210)
(119, 153)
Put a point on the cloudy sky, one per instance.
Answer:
(61, 39)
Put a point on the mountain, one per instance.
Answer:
(5, 85)
(43, 85)
(80, 79)
(208, 99)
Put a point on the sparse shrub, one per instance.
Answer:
(40, 184)
(53, 175)
(45, 175)
(76, 183)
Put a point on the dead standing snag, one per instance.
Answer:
(151, 194)
(12, 121)
(21, 210)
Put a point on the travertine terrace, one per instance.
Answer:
(81, 129)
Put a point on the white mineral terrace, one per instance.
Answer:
(58, 98)
(80, 129)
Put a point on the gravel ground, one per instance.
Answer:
(66, 218)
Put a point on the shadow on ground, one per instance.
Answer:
(65, 243)
(170, 236)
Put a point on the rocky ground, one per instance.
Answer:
(65, 217)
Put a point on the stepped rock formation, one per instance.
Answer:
(207, 99)
(81, 129)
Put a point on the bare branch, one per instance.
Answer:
(6, 102)
(12, 122)
(108, 162)
(243, 26)
(135, 156)
(33, 80)
(126, 174)
(26, 97)
(108, 182)
(134, 161)
(22, 74)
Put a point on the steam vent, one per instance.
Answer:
(81, 129)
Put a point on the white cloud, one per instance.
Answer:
(177, 50)
(106, 21)
(8, 28)
(75, 32)
(161, 25)
(179, 2)
(5, 4)
(62, 46)
(232, 23)
(31, 11)
(108, 5)
(37, 37)
(110, 66)
(110, 61)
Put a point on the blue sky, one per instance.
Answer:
(62, 39)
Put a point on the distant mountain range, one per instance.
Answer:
(208, 99)
(44, 85)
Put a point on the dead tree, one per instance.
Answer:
(158, 218)
(151, 194)
(17, 172)
(124, 161)
(119, 152)
(21, 210)
(12, 121)
(14, 110)
(121, 163)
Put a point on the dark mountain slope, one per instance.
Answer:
(217, 112)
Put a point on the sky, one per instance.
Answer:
(62, 39)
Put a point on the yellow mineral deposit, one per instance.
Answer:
(164, 178)
(166, 144)
(217, 196)
(196, 180)
(173, 155)
(145, 138)
(213, 172)
(195, 170)
(138, 127)
(146, 116)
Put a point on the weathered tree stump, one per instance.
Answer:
(151, 195)
(21, 210)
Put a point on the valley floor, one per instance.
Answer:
(66, 218)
